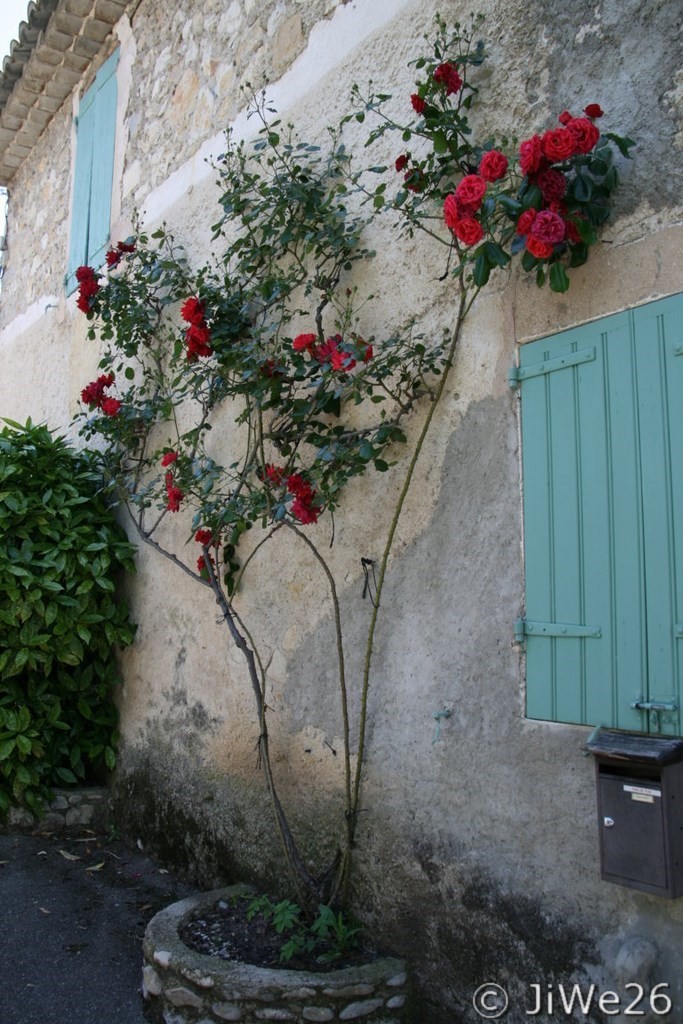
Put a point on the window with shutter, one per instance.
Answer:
(94, 172)
(602, 435)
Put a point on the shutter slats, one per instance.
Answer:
(603, 520)
(103, 162)
(93, 173)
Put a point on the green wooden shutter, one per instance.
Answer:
(94, 171)
(601, 497)
(102, 162)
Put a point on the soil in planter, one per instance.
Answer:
(226, 932)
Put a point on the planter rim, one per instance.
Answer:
(162, 946)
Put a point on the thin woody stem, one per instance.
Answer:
(305, 883)
(463, 309)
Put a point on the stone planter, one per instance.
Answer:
(181, 986)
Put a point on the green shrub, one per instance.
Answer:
(60, 551)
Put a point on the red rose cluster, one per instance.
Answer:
(88, 288)
(446, 75)
(197, 335)
(206, 539)
(549, 226)
(174, 495)
(303, 507)
(330, 351)
(94, 395)
(114, 256)
(461, 207)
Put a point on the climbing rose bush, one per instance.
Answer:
(271, 334)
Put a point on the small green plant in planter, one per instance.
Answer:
(328, 938)
(272, 331)
(60, 623)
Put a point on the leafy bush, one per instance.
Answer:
(60, 550)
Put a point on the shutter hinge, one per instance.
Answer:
(513, 377)
(525, 627)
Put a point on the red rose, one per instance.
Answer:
(401, 162)
(469, 231)
(274, 475)
(471, 190)
(174, 494)
(525, 221)
(201, 565)
(204, 537)
(113, 257)
(197, 339)
(304, 512)
(88, 288)
(84, 273)
(300, 488)
(454, 210)
(558, 144)
(493, 165)
(447, 75)
(304, 342)
(585, 134)
(111, 407)
(564, 117)
(192, 311)
(169, 458)
(553, 185)
(415, 180)
(530, 155)
(93, 394)
(593, 110)
(418, 103)
(541, 250)
(547, 227)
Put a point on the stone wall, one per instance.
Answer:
(477, 855)
(70, 808)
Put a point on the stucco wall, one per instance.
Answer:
(477, 853)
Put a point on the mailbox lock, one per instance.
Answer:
(608, 822)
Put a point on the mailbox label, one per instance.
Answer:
(642, 794)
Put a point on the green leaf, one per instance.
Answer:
(559, 280)
(495, 255)
(440, 142)
(482, 270)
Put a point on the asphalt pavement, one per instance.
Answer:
(73, 910)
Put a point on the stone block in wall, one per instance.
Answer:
(86, 805)
(288, 41)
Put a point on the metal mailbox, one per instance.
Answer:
(640, 810)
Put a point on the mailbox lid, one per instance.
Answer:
(611, 745)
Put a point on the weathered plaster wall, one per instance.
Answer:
(477, 855)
